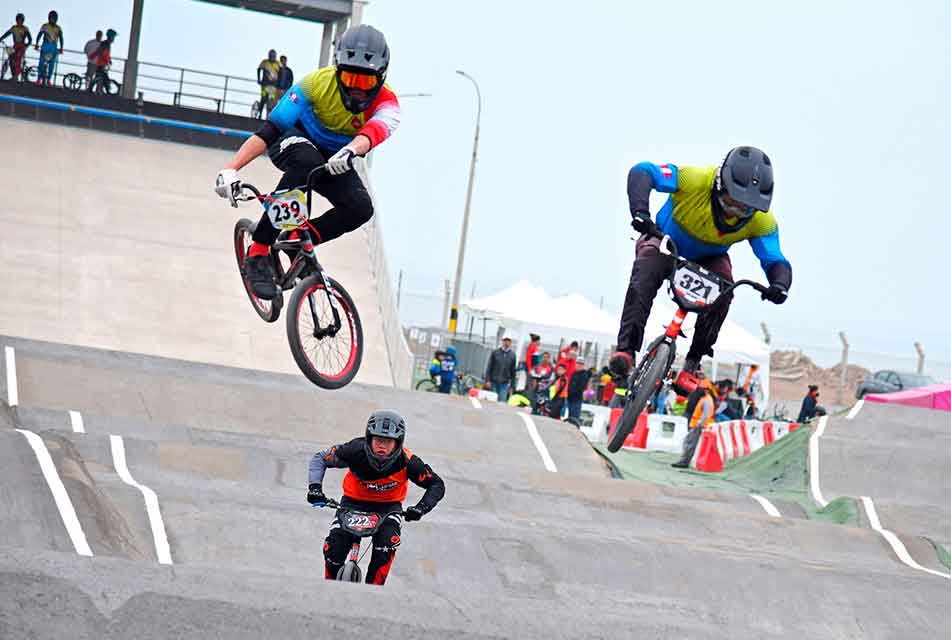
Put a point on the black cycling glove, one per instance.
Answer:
(315, 494)
(776, 294)
(642, 223)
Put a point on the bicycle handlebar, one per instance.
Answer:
(333, 504)
(308, 187)
(669, 247)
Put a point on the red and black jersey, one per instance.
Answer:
(365, 484)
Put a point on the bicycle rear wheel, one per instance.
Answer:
(350, 572)
(426, 384)
(73, 81)
(329, 361)
(647, 379)
(269, 310)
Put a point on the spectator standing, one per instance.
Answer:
(567, 357)
(21, 40)
(500, 372)
(541, 375)
(576, 387)
(531, 350)
(46, 43)
(447, 370)
(91, 49)
(701, 406)
(558, 392)
(723, 412)
(285, 78)
(267, 78)
(809, 404)
(104, 60)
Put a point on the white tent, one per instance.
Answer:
(525, 308)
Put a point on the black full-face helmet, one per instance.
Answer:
(52, 17)
(743, 186)
(361, 59)
(384, 424)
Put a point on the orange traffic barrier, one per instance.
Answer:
(708, 458)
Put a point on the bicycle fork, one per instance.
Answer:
(331, 330)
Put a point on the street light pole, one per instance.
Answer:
(454, 312)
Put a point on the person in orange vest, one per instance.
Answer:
(701, 407)
(558, 392)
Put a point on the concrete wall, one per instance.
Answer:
(120, 243)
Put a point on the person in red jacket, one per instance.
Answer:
(567, 357)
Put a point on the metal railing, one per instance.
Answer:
(167, 84)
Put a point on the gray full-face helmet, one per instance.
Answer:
(746, 179)
(361, 58)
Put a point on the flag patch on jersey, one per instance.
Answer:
(294, 97)
(666, 171)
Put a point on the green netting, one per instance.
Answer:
(944, 556)
(779, 471)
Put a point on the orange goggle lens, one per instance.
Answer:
(362, 81)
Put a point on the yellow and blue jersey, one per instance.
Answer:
(314, 106)
(687, 216)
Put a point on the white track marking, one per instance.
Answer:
(855, 409)
(897, 546)
(66, 510)
(537, 441)
(151, 501)
(768, 506)
(475, 402)
(814, 462)
(76, 419)
(13, 398)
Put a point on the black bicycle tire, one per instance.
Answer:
(113, 87)
(656, 365)
(349, 572)
(72, 82)
(426, 385)
(241, 226)
(294, 338)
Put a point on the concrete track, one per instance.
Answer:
(513, 550)
(899, 456)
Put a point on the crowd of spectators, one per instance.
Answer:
(50, 43)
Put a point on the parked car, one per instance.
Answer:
(891, 381)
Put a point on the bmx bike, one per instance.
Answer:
(101, 83)
(362, 524)
(694, 289)
(324, 331)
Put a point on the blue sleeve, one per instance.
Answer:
(289, 109)
(767, 250)
(645, 177)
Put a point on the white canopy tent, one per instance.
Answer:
(525, 308)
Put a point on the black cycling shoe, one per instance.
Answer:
(680, 464)
(259, 270)
(691, 365)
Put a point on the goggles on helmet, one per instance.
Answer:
(734, 208)
(362, 81)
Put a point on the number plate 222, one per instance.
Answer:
(696, 287)
(287, 210)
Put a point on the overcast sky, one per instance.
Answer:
(849, 99)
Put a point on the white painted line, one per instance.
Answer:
(76, 419)
(897, 546)
(162, 550)
(814, 462)
(855, 409)
(537, 440)
(66, 510)
(768, 506)
(13, 398)
(475, 402)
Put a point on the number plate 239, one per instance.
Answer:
(287, 210)
(696, 287)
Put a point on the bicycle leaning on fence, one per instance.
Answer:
(101, 83)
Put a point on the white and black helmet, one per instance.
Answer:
(385, 424)
(363, 50)
(746, 176)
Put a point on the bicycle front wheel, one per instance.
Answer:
(647, 379)
(329, 361)
(73, 81)
(426, 384)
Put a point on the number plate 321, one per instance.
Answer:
(696, 287)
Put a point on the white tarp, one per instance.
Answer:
(525, 308)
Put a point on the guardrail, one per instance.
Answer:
(162, 83)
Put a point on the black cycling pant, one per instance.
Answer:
(649, 272)
(385, 541)
(296, 156)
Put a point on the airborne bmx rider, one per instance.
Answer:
(331, 116)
